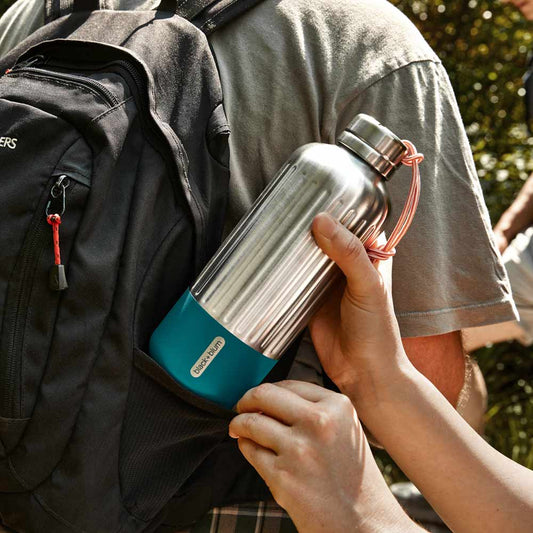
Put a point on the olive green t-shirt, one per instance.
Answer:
(296, 71)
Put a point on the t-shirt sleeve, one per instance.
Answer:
(19, 21)
(447, 273)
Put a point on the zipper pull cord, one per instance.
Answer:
(57, 278)
(55, 221)
(387, 250)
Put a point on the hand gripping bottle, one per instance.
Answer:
(267, 279)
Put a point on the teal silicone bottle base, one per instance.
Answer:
(204, 356)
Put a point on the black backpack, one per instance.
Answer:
(114, 121)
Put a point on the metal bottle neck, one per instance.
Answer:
(373, 143)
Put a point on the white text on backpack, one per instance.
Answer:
(8, 142)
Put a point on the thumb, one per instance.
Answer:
(364, 283)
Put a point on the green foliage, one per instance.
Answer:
(4, 4)
(484, 45)
(508, 369)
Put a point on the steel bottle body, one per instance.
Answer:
(260, 289)
(266, 280)
(268, 277)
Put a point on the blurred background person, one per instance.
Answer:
(514, 238)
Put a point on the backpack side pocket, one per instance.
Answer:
(52, 175)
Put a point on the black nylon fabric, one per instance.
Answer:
(86, 5)
(208, 15)
(94, 435)
(187, 10)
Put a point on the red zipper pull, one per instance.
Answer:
(57, 278)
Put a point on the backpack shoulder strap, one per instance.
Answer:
(207, 15)
(54, 9)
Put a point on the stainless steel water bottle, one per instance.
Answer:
(268, 278)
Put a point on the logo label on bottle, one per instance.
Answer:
(207, 357)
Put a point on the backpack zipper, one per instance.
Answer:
(139, 87)
(95, 87)
(31, 254)
(140, 84)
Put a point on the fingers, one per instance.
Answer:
(268, 411)
(262, 459)
(261, 429)
(346, 250)
(308, 391)
(384, 267)
(277, 402)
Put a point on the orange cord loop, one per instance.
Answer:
(387, 250)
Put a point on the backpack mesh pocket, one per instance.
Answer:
(168, 431)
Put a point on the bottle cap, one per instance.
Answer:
(374, 143)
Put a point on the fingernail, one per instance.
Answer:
(326, 225)
(233, 435)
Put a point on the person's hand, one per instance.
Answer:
(307, 444)
(525, 6)
(355, 333)
(501, 240)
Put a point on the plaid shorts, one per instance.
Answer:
(257, 517)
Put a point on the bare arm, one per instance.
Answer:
(517, 217)
(471, 485)
(308, 445)
(441, 359)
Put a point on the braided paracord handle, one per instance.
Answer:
(384, 251)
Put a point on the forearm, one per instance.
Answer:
(471, 485)
(373, 510)
(519, 215)
(376, 509)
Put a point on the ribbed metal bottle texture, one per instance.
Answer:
(269, 276)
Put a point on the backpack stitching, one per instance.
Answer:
(111, 110)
